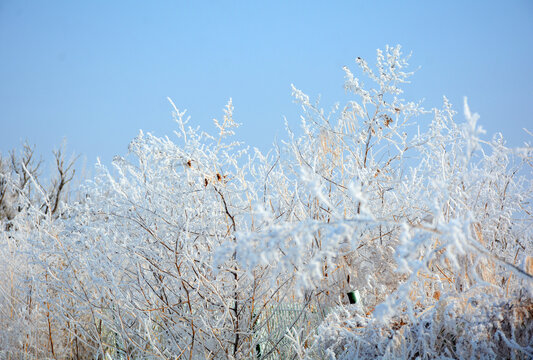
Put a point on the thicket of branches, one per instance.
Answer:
(187, 248)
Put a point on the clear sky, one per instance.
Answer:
(95, 72)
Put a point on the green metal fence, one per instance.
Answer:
(274, 324)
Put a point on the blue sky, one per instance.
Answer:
(95, 72)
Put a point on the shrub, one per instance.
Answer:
(189, 248)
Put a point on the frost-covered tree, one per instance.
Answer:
(21, 182)
(29, 204)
